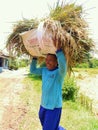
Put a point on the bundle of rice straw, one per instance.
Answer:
(73, 32)
(67, 28)
(15, 45)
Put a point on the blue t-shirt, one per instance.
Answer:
(52, 81)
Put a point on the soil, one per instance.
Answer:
(11, 109)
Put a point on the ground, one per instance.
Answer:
(11, 109)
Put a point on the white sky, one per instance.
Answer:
(13, 10)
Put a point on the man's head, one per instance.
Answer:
(51, 61)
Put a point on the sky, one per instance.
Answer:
(14, 10)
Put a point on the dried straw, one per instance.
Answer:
(15, 44)
(68, 29)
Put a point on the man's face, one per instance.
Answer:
(51, 62)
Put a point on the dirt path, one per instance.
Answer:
(11, 109)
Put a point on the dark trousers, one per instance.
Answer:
(50, 118)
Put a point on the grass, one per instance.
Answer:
(89, 71)
(74, 116)
(31, 98)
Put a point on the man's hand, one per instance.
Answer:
(56, 43)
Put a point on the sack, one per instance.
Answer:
(30, 42)
(38, 42)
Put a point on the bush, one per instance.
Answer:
(91, 63)
(69, 89)
(82, 65)
(23, 63)
(13, 65)
(95, 63)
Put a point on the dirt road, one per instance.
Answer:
(11, 109)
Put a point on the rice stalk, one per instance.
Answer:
(68, 28)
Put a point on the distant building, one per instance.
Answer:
(4, 60)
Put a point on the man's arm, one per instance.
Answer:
(62, 66)
(33, 67)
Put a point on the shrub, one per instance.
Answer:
(69, 89)
(95, 63)
(82, 65)
(23, 63)
(13, 65)
(91, 63)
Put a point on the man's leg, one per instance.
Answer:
(52, 119)
(42, 115)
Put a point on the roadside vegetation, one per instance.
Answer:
(16, 63)
(90, 63)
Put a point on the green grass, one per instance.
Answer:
(74, 116)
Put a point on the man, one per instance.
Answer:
(52, 80)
